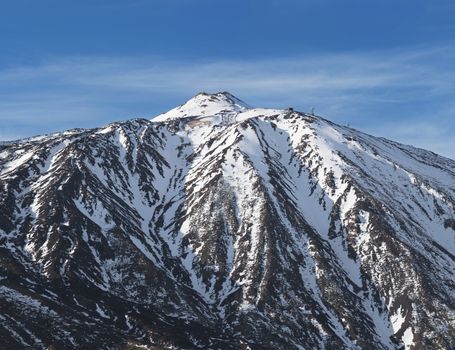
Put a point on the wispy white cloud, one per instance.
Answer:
(397, 94)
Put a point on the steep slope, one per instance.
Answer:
(221, 226)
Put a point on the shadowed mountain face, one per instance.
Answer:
(221, 226)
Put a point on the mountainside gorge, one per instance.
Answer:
(221, 226)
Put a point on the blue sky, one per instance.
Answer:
(384, 67)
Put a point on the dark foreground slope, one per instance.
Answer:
(219, 226)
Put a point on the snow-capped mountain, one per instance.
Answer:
(221, 226)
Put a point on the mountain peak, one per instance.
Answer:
(204, 104)
(184, 234)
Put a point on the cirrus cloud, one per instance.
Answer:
(406, 95)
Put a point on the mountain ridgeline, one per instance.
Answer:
(221, 226)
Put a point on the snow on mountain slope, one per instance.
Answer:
(221, 226)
